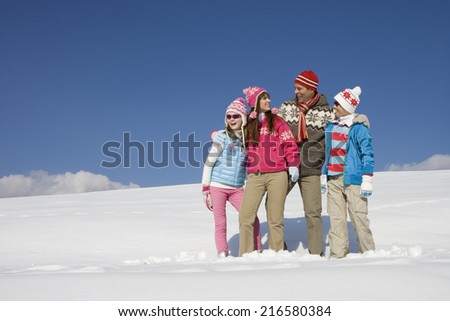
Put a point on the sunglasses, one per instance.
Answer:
(336, 103)
(235, 116)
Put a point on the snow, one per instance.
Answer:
(158, 244)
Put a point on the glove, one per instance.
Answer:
(323, 183)
(207, 197)
(293, 173)
(366, 186)
(218, 137)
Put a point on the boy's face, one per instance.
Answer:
(340, 111)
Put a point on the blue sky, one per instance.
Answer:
(75, 75)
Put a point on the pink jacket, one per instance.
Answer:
(275, 151)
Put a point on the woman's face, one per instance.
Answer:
(264, 103)
(234, 121)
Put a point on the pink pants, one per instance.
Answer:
(219, 197)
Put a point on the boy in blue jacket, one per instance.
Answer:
(347, 175)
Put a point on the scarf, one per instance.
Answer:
(346, 120)
(302, 134)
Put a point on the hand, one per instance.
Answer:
(323, 183)
(366, 186)
(207, 197)
(293, 173)
(218, 137)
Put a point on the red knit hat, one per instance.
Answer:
(308, 79)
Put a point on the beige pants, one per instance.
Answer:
(339, 199)
(275, 184)
(312, 205)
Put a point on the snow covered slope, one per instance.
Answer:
(158, 244)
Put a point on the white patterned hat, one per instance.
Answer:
(349, 98)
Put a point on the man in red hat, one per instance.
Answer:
(307, 115)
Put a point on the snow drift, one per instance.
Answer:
(158, 244)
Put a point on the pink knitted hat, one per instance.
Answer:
(238, 107)
(251, 94)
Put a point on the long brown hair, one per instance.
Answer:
(252, 130)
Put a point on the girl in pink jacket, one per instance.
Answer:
(272, 159)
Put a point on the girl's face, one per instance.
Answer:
(264, 103)
(234, 121)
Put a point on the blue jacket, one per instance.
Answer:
(230, 167)
(359, 158)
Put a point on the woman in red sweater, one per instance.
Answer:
(272, 159)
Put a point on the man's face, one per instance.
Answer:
(303, 94)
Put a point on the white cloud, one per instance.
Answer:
(435, 162)
(41, 183)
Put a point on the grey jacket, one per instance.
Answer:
(312, 150)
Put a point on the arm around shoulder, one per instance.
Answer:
(288, 144)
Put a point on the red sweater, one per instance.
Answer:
(275, 151)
